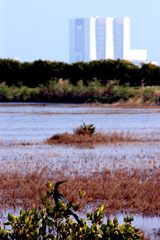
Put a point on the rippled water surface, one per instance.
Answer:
(35, 123)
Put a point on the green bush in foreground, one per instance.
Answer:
(54, 222)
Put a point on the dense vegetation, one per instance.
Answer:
(105, 81)
(63, 91)
(39, 72)
(54, 222)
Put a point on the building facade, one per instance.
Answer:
(101, 38)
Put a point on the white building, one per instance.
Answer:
(102, 38)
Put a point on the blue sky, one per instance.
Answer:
(39, 29)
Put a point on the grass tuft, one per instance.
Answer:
(99, 138)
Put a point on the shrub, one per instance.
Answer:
(5, 92)
(54, 222)
(85, 129)
(148, 94)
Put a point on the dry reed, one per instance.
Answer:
(101, 138)
(134, 191)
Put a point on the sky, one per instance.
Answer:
(39, 29)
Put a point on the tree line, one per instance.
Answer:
(33, 74)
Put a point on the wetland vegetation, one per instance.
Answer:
(54, 222)
(86, 136)
(125, 179)
(129, 190)
(63, 91)
(120, 190)
(87, 140)
(104, 81)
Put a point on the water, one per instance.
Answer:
(35, 123)
(149, 225)
(85, 161)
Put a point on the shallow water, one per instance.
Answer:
(147, 224)
(35, 123)
(80, 160)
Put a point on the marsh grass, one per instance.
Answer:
(120, 190)
(102, 138)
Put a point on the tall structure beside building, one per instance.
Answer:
(102, 38)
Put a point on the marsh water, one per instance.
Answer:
(39, 122)
(34, 123)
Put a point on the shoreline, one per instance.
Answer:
(103, 105)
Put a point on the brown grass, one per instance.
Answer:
(99, 138)
(134, 191)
